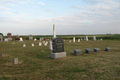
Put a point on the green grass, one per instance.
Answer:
(35, 62)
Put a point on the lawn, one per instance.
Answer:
(35, 62)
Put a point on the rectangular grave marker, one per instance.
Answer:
(58, 45)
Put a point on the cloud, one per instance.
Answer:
(7, 12)
(41, 3)
(4, 8)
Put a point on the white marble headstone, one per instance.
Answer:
(40, 44)
(32, 44)
(35, 39)
(15, 61)
(21, 39)
(78, 40)
(50, 45)
(73, 39)
(24, 45)
(6, 39)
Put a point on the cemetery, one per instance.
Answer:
(60, 57)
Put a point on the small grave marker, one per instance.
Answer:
(15, 61)
(89, 50)
(77, 52)
(24, 45)
(32, 44)
(97, 50)
(108, 49)
(40, 44)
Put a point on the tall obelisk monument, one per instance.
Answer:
(54, 31)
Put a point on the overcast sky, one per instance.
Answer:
(24, 17)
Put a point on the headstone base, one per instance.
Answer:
(58, 55)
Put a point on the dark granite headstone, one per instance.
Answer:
(97, 50)
(89, 50)
(58, 45)
(77, 52)
(107, 49)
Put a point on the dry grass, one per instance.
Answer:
(35, 62)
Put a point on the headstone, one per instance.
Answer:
(86, 38)
(77, 52)
(78, 40)
(97, 50)
(58, 45)
(89, 50)
(94, 38)
(30, 37)
(21, 39)
(58, 48)
(43, 42)
(73, 39)
(6, 39)
(54, 31)
(15, 61)
(32, 44)
(50, 46)
(101, 39)
(40, 44)
(24, 45)
(1, 37)
(108, 49)
(46, 43)
(35, 39)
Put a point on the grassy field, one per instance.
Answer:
(35, 62)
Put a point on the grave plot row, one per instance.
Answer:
(78, 52)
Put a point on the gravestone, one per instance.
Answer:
(86, 38)
(24, 45)
(58, 48)
(50, 46)
(30, 37)
(35, 39)
(40, 44)
(78, 40)
(43, 42)
(54, 31)
(89, 50)
(73, 39)
(77, 52)
(21, 39)
(97, 50)
(94, 38)
(101, 39)
(1, 37)
(6, 39)
(15, 61)
(32, 44)
(108, 49)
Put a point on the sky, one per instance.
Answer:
(36, 17)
